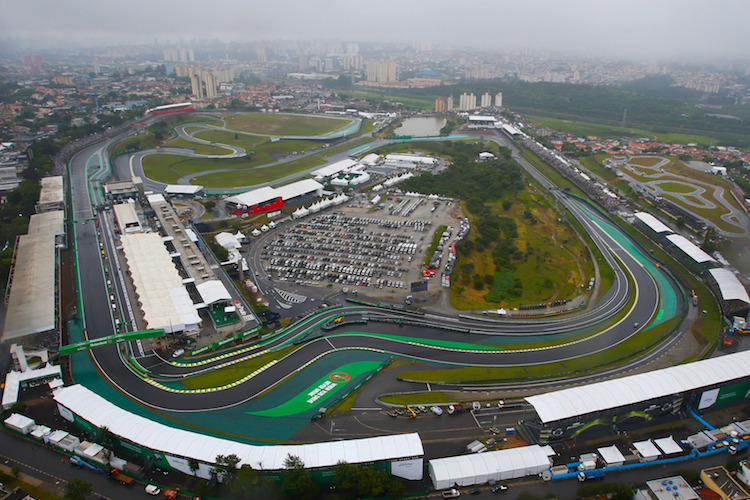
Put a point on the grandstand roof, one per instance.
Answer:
(156, 436)
(48, 222)
(127, 219)
(481, 118)
(213, 291)
(161, 295)
(582, 400)
(182, 189)
(261, 195)
(51, 193)
(31, 300)
(690, 249)
(730, 287)
(298, 188)
(334, 168)
(652, 222)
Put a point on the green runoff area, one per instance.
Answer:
(283, 124)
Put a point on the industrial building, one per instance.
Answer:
(267, 198)
(604, 407)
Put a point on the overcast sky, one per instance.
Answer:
(643, 29)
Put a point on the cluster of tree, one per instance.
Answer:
(646, 108)
(479, 185)
(354, 481)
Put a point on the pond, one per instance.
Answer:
(421, 126)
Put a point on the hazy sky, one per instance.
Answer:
(649, 29)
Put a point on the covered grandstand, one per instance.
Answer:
(174, 448)
(690, 254)
(734, 297)
(630, 400)
(169, 109)
(651, 225)
(267, 198)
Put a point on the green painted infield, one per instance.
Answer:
(330, 385)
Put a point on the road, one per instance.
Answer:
(96, 311)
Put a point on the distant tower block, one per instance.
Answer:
(486, 100)
(439, 105)
(449, 103)
(499, 100)
(97, 69)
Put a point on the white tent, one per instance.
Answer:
(467, 470)
(255, 232)
(20, 423)
(668, 445)
(213, 291)
(300, 212)
(227, 240)
(611, 455)
(647, 451)
(315, 207)
(172, 442)
(264, 228)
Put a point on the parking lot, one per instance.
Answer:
(379, 250)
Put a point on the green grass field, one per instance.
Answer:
(586, 129)
(230, 138)
(197, 147)
(676, 187)
(160, 167)
(278, 124)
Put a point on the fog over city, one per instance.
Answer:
(696, 30)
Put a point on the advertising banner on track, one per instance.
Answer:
(726, 394)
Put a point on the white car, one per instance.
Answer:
(437, 410)
(152, 489)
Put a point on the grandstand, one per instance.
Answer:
(170, 109)
(606, 407)
(267, 198)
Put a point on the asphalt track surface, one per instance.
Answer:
(98, 323)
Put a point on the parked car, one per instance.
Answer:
(437, 410)
(451, 493)
(152, 489)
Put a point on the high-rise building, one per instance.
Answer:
(449, 103)
(486, 100)
(439, 105)
(467, 102)
(211, 85)
(97, 69)
(352, 49)
(381, 71)
(191, 55)
(196, 85)
(499, 100)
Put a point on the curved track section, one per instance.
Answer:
(435, 339)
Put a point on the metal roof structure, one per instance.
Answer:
(729, 285)
(182, 189)
(668, 445)
(127, 219)
(652, 222)
(162, 297)
(690, 249)
(213, 291)
(48, 222)
(611, 455)
(156, 436)
(267, 193)
(334, 168)
(585, 399)
(51, 196)
(479, 468)
(647, 450)
(31, 299)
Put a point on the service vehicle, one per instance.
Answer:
(120, 477)
(437, 410)
(152, 489)
(451, 493)
(499, 488)
(590, 474)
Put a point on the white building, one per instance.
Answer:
(467, 102)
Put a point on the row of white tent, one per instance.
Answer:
(320, 205)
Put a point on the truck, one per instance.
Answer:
(120, 477)
(451, 493)
(77, 461)
(590, 474)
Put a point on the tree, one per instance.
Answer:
(299, 483)
(346, 479)
(77, 489)
(226, 468)
(250, 484)
(193, 465)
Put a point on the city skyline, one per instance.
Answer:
(615, 29)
